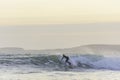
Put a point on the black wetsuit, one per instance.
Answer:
(67, 59)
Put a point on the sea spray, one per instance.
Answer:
(54, 62)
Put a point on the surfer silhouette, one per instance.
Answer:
(66, 59)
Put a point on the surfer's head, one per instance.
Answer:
(63, 54)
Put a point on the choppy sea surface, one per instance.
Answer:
(50, 67)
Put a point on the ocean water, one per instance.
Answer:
(50, 67)
(62, 75)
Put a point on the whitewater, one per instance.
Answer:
(54, 62)
(92, 65)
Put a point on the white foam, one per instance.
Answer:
(103, 63)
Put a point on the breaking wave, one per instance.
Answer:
(54, 61)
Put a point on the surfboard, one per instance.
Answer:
(66, 65)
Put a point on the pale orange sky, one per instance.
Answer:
(41, 24)
(32, 12)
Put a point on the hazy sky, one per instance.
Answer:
(41, 24)
(59, 36)
(20, 12)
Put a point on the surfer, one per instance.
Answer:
(66, 59)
